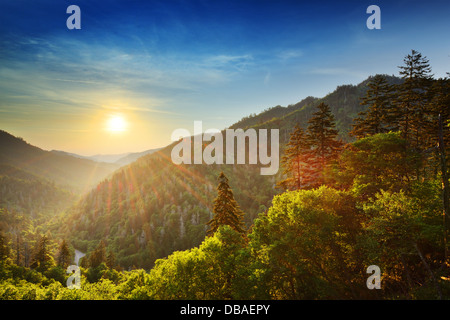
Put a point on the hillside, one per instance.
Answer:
(64, 170)
(344, 103)
(31, 195)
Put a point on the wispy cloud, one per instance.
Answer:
(337, 72)
(290, 54)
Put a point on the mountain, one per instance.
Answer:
(65, 170)
(131, 157)
(152, 207)
(344, 103)
(30, 195)
(119, 159)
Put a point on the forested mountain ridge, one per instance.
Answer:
(31, 195)
(344, 102)
(64, 170)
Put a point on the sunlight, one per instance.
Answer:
(116, 123)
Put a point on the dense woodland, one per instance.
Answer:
(372, 190)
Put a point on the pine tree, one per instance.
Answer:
(98, 255)
(42, 259)
(439, 105)
(322, 136)
(410, 114)
(376, 118)
(111, 260)
(4, 248)
(226, 209)
(63, 259)
(298, 162)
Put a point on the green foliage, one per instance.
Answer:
(302, 247)
(206, 272)
(408, 232)
(382, 161)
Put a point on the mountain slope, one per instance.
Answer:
(31, 195)
(63, 169)
(344, 103)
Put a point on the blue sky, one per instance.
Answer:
(163, 64)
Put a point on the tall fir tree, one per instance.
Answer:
(411, 112)
(42, 259)
(376, 118)
(4, 248)
(63, 258)
(322, 136)
(299, 165)
(98, 255)
(440, 105)
(226, 209)
(110, 260)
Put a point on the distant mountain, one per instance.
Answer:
(119, 159)
(30, 195)
(63, 169)
(107, 158)
(131, 157)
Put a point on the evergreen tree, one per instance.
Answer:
(376, 118)
(111, 260)
(63, 259)
(42, 259)
(98, 256)
(322, 136)
(411, 113)
(4, 249)
(439, 105)
(226, 209)
(298, 162)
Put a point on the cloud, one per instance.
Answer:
(267, 78)
(290, 54)
(337, 72)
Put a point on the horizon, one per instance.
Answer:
(135, 72)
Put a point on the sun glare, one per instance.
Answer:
(116, 123)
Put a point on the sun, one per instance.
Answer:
(116, 123)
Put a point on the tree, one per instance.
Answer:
(298, 162)
(303, 247)
(439, 105)
(382, 161)
(411, 111)
(42, 259)
(322, 136)
(63, 259)
(98, 255)
(111, 260)
(226, 209)
(408, 231)
(4, 248)
(376, 118)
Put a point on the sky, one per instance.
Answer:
(138, 70)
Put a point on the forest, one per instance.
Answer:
(372, 190)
